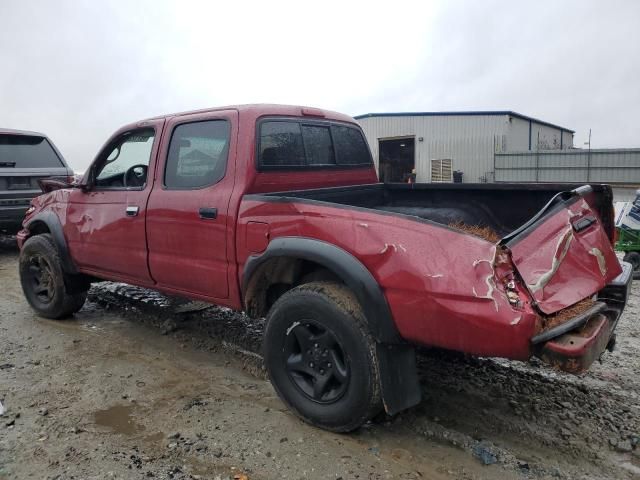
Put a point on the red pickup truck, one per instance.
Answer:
(277, 211)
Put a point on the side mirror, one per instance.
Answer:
(83, 182)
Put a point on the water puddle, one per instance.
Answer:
(118, 419)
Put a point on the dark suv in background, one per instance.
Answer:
(25, 158)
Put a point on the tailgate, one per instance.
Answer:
(563, 254)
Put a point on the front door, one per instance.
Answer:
(105, 225)
(187, 218)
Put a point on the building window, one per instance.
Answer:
(441, 171)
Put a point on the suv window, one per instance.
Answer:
(292, 144)
(127, 162)
(197, 154)
(27, 151)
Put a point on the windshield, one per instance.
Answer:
(27, 151)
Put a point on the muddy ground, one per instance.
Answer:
(139, 385)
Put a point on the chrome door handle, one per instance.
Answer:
(132, 211)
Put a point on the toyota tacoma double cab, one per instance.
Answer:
(277, 211)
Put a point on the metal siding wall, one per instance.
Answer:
(549, 137)
(467, 140)
(567, 140)
(620, 166)
(518, 134)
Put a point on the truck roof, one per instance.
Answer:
(262, 109)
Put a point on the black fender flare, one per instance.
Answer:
(347, 267)
(398, 371)
(54, 226)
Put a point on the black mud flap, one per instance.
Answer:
(398, 377)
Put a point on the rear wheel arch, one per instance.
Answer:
(291, 261)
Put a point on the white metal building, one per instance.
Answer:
(436, 144)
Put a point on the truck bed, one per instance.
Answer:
(502, 207)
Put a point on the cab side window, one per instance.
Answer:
(126, 163)
(197, 154)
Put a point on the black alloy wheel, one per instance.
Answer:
(39, 275)
(316, 362)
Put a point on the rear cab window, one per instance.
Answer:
(301, 144)
(27, 151)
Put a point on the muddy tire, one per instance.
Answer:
(634, 259)
(42, 279)
(321, 357)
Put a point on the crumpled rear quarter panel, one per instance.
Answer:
(438, 282)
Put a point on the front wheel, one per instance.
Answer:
(321, 357)
(634, 259)
(42, 279)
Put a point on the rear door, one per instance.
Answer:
(24, 159)
(188, 222)
(564, 254)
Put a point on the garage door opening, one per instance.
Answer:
(397, 159)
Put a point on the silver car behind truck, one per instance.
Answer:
(25, 158)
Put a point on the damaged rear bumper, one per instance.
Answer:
(577, 343)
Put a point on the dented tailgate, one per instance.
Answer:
(563, 254)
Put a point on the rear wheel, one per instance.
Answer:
(42, 279)
(321, 358)
(634, 259)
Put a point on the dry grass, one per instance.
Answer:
(486, 233)
(562, 316)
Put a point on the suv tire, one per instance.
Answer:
(321, 358)
(42, 279)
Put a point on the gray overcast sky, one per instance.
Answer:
(77, 70)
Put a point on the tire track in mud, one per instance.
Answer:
(531, 419)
